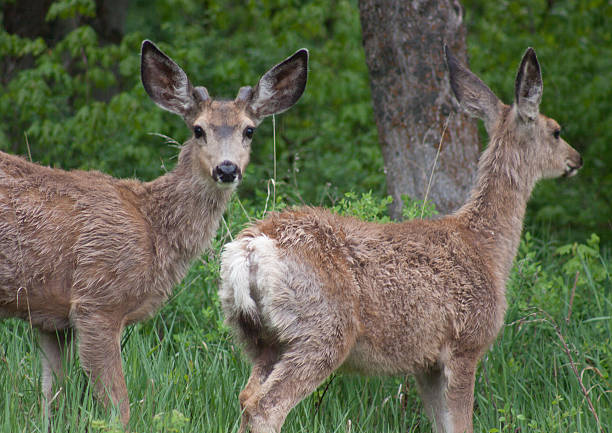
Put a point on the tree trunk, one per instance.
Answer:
(412, 99)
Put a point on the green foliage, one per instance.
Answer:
(370, 208)
(15, 46)
(113, 426)
(65, 111)
(584, 257)
(534, 279)
(170, 422)
(366, 207)
(417, 208)
(64, 9)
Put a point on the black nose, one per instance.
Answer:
(580, 162)
(226, 172)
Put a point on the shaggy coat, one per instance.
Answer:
(308, 291)
(85, 251)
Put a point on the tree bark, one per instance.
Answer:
(403, 42)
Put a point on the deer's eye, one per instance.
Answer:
(556, 133)
(198, 132)
(248, 132)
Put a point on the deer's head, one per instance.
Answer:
(222, 130)
(522, 136)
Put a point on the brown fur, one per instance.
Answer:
(308, 291)
(84, 250)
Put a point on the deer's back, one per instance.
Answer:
(67, 237)
(422, 285)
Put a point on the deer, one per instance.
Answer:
(307, 292)
(84, 253)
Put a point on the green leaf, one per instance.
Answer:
(64, 9)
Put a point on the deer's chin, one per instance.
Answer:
(566, 172)
(215, 181)
(227, 185)
(570, 171)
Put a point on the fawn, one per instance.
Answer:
(308, 291)
(85, 251)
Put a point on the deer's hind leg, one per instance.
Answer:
(263, 363)
(303, 365)
(262, 366)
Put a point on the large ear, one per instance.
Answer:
(528, 86)
(280, 87)
(473, 95)
(166, 83)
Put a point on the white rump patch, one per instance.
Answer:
(235, 272)
(249, 268)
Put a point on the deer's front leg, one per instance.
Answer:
(53, 347)
(100, 352)
(460, 393)
(448, 394)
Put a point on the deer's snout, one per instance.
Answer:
(226, 172)
(572, 165)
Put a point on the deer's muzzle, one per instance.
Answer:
(226, 172)
(572, 167)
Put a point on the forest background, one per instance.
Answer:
(71, 97)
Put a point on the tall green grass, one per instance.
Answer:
(549, 370)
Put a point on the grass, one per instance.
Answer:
(549, 370)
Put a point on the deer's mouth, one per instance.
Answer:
(571, 170)
(572, 166)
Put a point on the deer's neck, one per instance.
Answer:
(496, 208)
(184, 211)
